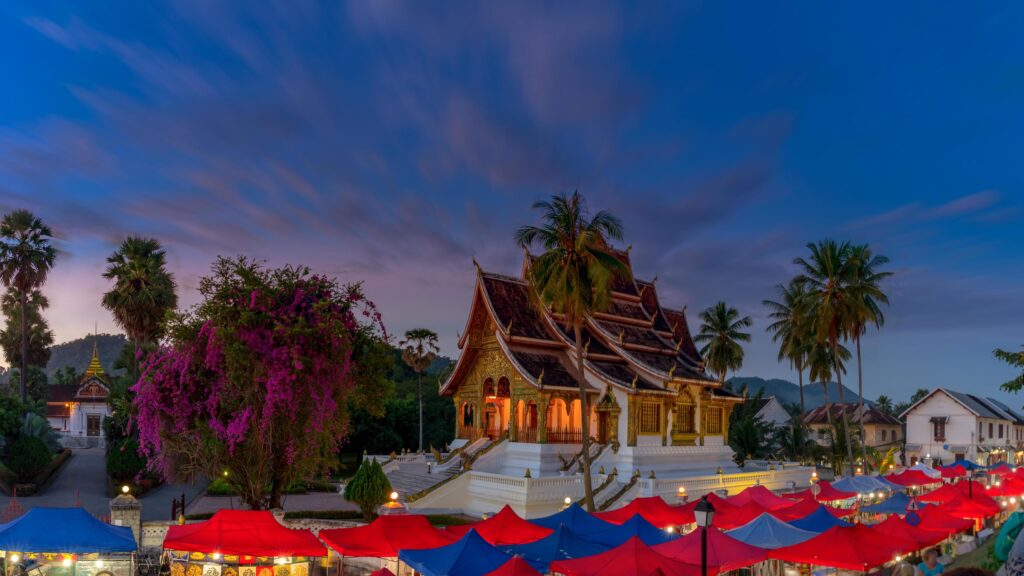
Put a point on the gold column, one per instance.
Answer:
(542, 418)
(631, 419)
(665, 406)
(513, 425)
(699, 417)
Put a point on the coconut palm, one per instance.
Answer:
(828, 275)
(821, 367)
(1015, 359)
(789, 328)
(143, 291)
(26, 257)
(868, 298)
(721, 332)
(885, 404)
(419, 350)
(573, 277)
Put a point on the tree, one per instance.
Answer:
(257, 379)
(419, 350)
(40, 337)
(573, 277)
(369, 488)
(867, 295)
(919, 394)
(143, 292)
(884, 403)
(67, 375)
(789, 328)
(828, 276)
(821, 366)
(721, 332)
(749, 435)
(1016, 360)
(795, 441)
(26, 257)
(37, 389)
(28, 456)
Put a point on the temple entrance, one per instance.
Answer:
(526, 422)
(493, 427)
(564, 425)
(466, 422)
(602, 428)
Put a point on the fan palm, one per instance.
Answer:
(26, 257)
(868, 298)
(419, 350)
(789, 329)
(573, 277)
(1015, 359)
(828, 276)
(143, 291)
(721, 332)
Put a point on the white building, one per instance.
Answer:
(771, 411)
(76, 411)
(948, 426)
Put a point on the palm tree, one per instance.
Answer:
(868, 296)
(419, 350)
(40, 337)
(721, 332)
(821, 366)
(794, 440)
(831, 301)
(143, 291)
(573, 278)
(789, 329)
(1015, 359)
(26, 257)
(885, 404)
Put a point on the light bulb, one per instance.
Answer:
(66, 562)
(99, 563)
(125, 489)
(394, 495)
(567, 500)
(670, 529)
(15, 558)
(216, 555)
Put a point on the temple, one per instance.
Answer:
(76, 411)
(516, 376)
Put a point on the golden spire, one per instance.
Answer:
(95, 368)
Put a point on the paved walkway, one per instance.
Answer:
(83, 479)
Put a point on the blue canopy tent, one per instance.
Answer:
(576, 519)
(818, 521)
(968, 465)
(768, 532)
(470, 555)
(64, 530)
(615, 536)
(864, 484)
(562, 544)
(895, 504)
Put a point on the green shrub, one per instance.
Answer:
(28, 457)
(124, 463)
(38, 427)
(369, 488)
(219, 487)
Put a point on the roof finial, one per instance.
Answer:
(633, 383)
(586, 347)
(672, 371)
(477, 264)
(679, 346)
(508, 330)
(629, 248)
(540, 379)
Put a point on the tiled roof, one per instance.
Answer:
(1016, 416)
(549, 365)
(512, 305)
(979, 406)
(872, 415)
(62, 392)
(681, 330)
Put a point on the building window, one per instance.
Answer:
(939, 430)
(684, 416)
(713, 420)
(1000, 431)
(884, 434)
(650, 418)
(990, 430)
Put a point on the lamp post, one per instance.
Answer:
(704, 513)
(970, 484)
(681, 494)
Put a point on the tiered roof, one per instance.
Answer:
(636, 344)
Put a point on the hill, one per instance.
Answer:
(77, 353)
(789, 393)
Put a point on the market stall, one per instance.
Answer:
(576, 519)
(653, 509)
(634, 527)
(66, 542)
(503, 529)
(724, 553)
(562, 544)
(468, 555)
(768, 532)
(241, 543)
(632, 557)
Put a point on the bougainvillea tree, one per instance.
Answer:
(253, 385)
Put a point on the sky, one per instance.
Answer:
(392, 142)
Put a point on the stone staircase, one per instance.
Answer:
(412, 477)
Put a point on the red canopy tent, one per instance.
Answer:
(243, 533)
(1009, 485)
(382, 572)
(912, 478)
(975, 508)
(761, 496)
(954, 471)
(826, 493)
(1002, 469)
(856, 547)
(899, 528)
(798, 510)
(725, 553)
(654, 510)
(736, 517)
(514, 567)
(386, 535)
(934, 519)
(503, 529)
(632, 558)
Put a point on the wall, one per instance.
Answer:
(961, 428)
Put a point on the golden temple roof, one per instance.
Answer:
(95, 369)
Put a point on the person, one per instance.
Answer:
(930, 565)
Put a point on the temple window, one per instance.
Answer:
(714, 420)
(650, 418)
(684, 418)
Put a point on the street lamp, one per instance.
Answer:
(704, 513)
(681, 493)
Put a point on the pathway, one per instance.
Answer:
(412, 477)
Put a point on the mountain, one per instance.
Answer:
(789, 393)
(77, 353)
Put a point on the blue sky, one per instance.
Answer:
(392, 142)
